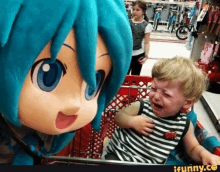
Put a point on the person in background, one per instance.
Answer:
(151, 128)
(141, 30)
(193, 17)
(157, 18)
(172, 20)
(170, 14)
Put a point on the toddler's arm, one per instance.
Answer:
(196, 151)
(128, 118)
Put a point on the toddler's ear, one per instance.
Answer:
(189, 102)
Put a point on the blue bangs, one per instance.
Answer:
(115, 30)
(32, 24)
(30, 28)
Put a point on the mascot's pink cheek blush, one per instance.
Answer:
(63, 121)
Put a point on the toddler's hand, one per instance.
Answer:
(143, 125)
(211, 160)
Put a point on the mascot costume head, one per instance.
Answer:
(61, 63)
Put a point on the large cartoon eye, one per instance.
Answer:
(47, 75)
(90, 93)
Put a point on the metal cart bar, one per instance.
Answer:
(88, 161)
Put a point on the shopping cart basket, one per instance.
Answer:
(88, 143)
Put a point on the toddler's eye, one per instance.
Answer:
(153, 89)
(46, 75)
(89, 92)
(167, 95)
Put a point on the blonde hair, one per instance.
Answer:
(193, 80)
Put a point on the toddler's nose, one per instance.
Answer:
(157, 96)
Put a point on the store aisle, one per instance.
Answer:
(159, 50)
(205, 120)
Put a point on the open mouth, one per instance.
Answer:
(63, 121)
(157, 106)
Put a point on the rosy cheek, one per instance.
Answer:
(167, 105)
(151, 94)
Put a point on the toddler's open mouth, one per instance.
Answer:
(157, 106)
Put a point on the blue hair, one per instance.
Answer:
(26, 27)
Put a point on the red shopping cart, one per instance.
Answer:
(88, 143)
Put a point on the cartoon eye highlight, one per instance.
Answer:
(90, 92)
(46, 75)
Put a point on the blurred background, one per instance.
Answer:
(166, 17)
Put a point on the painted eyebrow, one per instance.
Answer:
(75, 50)
(69, 47)
(104, 55)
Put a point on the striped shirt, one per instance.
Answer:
(129, 145)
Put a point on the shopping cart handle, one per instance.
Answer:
(88, 161)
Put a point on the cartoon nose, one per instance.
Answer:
(72, 106)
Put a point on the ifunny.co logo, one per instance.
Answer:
(195, 168)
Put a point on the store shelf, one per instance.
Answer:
(174, 2)
(205, 120)
(167, 2)
(211, 103)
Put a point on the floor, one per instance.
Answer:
(165, 45)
